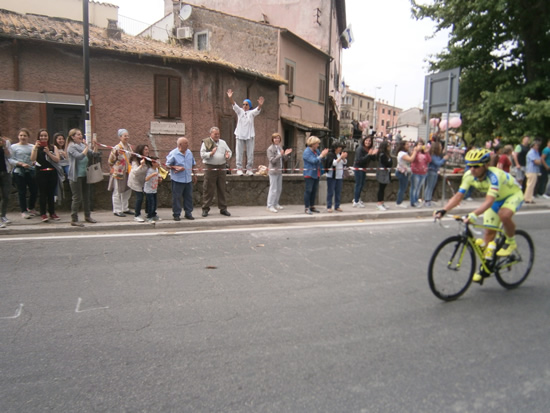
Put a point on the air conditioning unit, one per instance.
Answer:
(184, 33)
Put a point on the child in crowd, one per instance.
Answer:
(152, 180)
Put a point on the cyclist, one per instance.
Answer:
(504, 198)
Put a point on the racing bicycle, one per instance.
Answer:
(453, 262)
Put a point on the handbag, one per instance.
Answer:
(94, 173)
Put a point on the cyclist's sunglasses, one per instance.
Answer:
(476, 166)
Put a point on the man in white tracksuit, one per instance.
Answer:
(244, 132)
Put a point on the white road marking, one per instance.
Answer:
(17, 313)
(272, 227)
(78, 310)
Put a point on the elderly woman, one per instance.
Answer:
(275, 156)
(313, 160)
(119, 161)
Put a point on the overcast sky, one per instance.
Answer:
(390, 47)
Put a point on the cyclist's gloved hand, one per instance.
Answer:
(439, 213)
(471, 218)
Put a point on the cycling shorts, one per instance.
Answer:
(513, 203)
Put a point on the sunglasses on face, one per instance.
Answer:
(476, 166)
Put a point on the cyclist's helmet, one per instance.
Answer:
(478, 157)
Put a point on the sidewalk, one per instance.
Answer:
(240, 216)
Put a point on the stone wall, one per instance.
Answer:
(252, 190)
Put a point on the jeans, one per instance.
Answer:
(416, 185)
(139, 202)
(334, 190)
(359, 183)
(181, 191)
(542, 181)
(403, 183)
(431, 181)
(5, 183)
(23, 181)
(312, 185)
(151, 205)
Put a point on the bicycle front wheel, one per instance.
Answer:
(512, 271)
(451, 268)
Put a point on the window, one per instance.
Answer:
(383, 111)
(382, 121)
(322, 89)
(201, 41)
(353, 101)
(360, 103)
(167, 97)
(290, 73)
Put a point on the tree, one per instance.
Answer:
(503, 49)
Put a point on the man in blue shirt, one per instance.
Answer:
(181, 162)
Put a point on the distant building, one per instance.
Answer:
(386, 117)
(356, 106)
(410, 122)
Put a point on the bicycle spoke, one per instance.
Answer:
(451, 269)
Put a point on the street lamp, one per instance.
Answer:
(376, 109)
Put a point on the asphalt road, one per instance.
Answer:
(329, 318)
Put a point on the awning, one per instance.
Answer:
(34, 97)
(304, 125)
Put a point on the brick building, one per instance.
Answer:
(154, 89)
(268, 49)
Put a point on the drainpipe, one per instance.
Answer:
(327, 75)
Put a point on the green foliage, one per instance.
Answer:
(503, 49)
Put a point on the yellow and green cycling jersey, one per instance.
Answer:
(497, 183)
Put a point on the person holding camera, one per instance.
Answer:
(43, 155)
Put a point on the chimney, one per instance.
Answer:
(113, 32)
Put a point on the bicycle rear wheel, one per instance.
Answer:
(512, 271)
(451, 268)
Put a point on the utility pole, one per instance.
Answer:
(376, 109)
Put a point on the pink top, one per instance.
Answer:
(420, 164)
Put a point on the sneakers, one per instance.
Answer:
(469, 199)
(44, 218)
(32, 212)
(308, 211)
(278, 206)
(5, 221)
(381, 207)
(401, 205)
(240, 172)
(508, 248)
(358, 204)
(139, 219)
(2, 225)
(249, 173)
(428, 204)
(339, 210)
(26, 215)
(77, 224)
(546, 196)
(54, 217)
(272, 209)
(156, 218)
